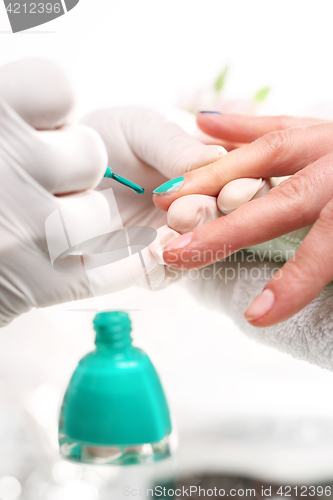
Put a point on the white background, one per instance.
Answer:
(238, 404)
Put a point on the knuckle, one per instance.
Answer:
(282, 121)
(296, 276)
(213, 174)
(295, 273)
(273, 143)
(296, 189)
(326, 215)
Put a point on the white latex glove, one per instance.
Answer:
(33, 165)
(138, 139)
(37, 165)
(148, 148)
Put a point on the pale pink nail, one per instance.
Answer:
(179, 242)
(260, 306)
(222, 152)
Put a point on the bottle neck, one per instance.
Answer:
(113, 332)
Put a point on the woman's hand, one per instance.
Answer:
(302, 148)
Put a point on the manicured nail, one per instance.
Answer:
(170, 186)
(260, 306)
(210, 112)
(179, 242)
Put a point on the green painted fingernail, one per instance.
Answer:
(170, 186)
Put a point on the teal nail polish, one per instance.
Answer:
(114, 410)
(170, 186)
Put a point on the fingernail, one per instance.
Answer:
(222, 153)
(170, 186)
(179, 242)
(260, 306)
(210, 112)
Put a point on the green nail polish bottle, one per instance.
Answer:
(114, 410)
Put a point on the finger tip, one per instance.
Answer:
(203, 118)
(265, 322)
(171, 259)
(221, 152)
(49, 98)
(179, 257)
(260, 308)
(254, 323)
(163, 201)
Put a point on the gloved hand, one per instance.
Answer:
(49, 170)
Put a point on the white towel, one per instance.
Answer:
(308, 335)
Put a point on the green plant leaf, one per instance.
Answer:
(262, 94)
(220, 81)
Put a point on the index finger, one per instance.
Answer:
(273, 155)
(295, 203)
(245, 129)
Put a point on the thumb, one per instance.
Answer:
(62, 161)
(165, 145)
